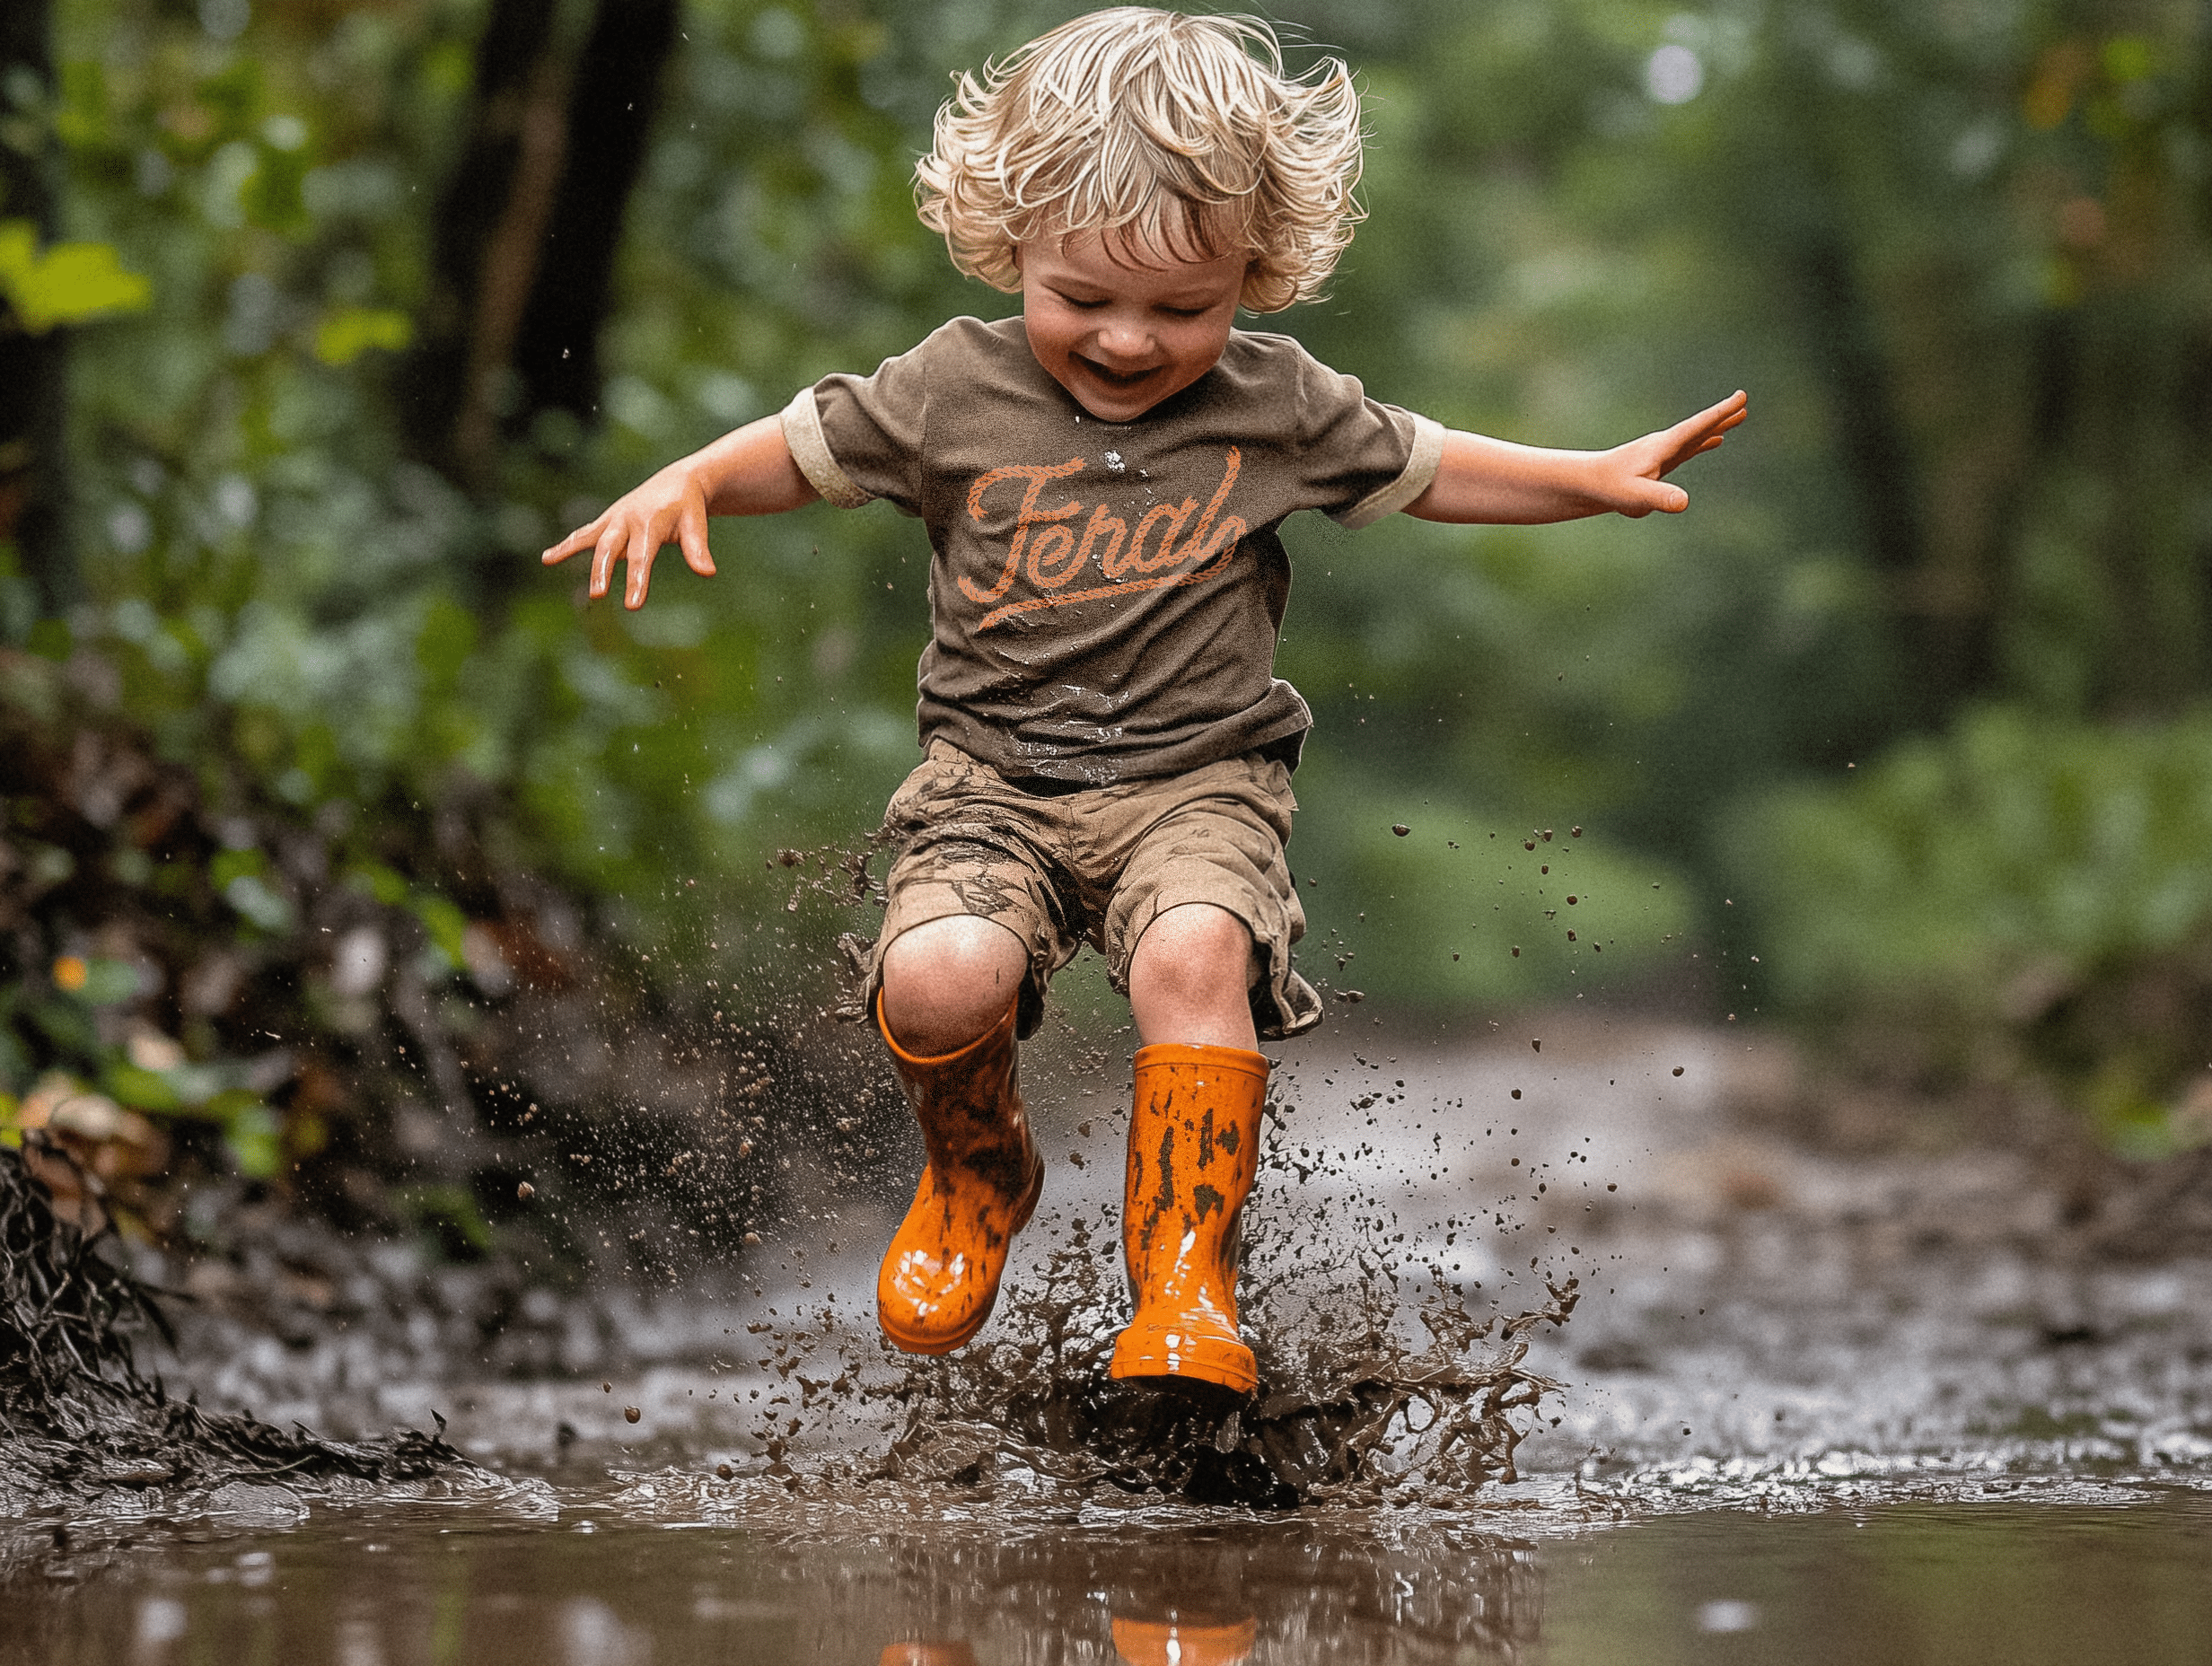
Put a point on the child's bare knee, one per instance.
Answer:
(948, 981)
(1196, 945)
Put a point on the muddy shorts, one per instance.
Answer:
(1097, 866)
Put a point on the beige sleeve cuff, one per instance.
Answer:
(811, 451)
(1419, 472)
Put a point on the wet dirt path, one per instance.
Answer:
(1809, 1408)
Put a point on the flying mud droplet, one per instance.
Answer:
(630, 1413)
(723, 1472)
(1401, 828)
(1573, 832)
(1536, 1044)
(1678, 1070)
(1351, 997)
(1516, 1092)
(752, 1238)
(1571, 902)
(525, 1191)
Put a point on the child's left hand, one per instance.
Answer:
(1482, 479)
(1641, 466)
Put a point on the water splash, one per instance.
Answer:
(1351, 1413)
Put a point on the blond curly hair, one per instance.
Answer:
(1162, 131)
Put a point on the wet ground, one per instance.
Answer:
(1809, 1406)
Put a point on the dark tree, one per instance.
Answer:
(33, 472)
(612, 100)
(529, 227)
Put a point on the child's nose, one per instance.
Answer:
(1124, 339)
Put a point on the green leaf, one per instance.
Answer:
(142, 1089)
(68, 283)
(252, 1140)
(347, 333)
(444, 921)
(229, 1105)
(230, 865)
(49, 639)
(379, 881)
(450, 1213)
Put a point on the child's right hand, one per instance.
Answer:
(670, 508)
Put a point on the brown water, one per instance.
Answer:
(597, 1584)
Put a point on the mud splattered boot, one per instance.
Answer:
(940, 1275)
(1185, 1640)
(1194, 1146)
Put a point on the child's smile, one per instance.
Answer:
(1120, 336)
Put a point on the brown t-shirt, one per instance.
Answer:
(1105, 597)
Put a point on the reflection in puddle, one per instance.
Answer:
(1900, 1583)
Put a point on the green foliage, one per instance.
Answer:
(2019, 895)
(158, 942)
(67, 284)
(348, 332)
(1458, 912)
(1957, 254)
(448, 1217)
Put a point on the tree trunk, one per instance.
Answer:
(484, 237)
(616, 94)
(33, 414)
(531, 223)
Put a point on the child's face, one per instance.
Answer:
(1123, 327)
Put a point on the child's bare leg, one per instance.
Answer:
(948, 1012)
(1191, 979)
(1194, 1147)
(948, 981)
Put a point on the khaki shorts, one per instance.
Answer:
(1097, 866)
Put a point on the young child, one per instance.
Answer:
(1107, 752)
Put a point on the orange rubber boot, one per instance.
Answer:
(940, 1275)
(1194, 1146)
(1185, 1640)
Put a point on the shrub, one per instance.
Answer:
(2018, 900)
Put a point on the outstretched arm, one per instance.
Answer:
(747, 472)
(1496, 481)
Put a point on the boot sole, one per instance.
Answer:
(1148, 1354)
(909, 1343)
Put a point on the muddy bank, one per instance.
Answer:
(235, 1014)
(84, 1432)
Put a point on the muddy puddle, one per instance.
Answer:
(1564, 1358)
(594, 1584)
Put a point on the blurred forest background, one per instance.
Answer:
(323, 317)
